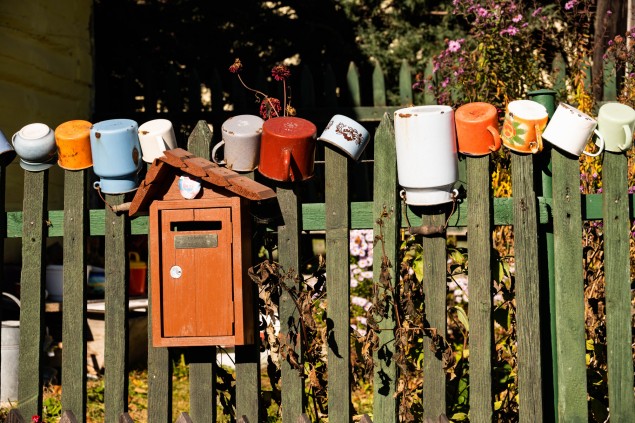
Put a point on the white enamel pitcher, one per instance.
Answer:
(427, 160)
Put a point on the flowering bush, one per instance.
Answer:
(621, 52)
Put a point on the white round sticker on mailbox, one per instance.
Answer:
(176, 272)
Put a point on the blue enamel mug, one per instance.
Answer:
(116, 154)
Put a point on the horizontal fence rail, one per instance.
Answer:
(529, 214)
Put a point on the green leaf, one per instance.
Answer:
(589, 345)
(417, 266)
(462, 316)
(458, 417)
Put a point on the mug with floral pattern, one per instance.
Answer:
(525, 120)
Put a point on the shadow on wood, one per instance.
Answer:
(243, 419)
(184, 418)
(366, 419)
(15, 417)
(125, 418)
(303, 419)
(68, 417)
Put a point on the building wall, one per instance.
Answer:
(46, 75)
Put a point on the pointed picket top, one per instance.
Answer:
(330, 87)
(365, 419)
(379, 86)
(610, 81)
(199, 142)
(352, 81)
(184, 418)
(68, 417)
(559, 69)
(243, 419)
(405, 84)
(125, 418)
(307, 88)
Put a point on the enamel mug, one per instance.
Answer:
(156, 136)
(477, 129)
(525, 120)
(427, 161)
(35, 144)
(73, 145)
(116, 155)
(570, 130)
(287, 151)
(241, 141)
(616, 123)
(346, 135)
(7, 152)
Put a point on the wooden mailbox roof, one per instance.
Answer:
(183, 161)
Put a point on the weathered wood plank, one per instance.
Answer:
(248, 382)
(338, 285)
(242, 419)
(159, 369)
(405, 84)
(116, 317)
(68, 417)
(125, 418)
(293, 398)
(202, 383)
(74, 274)
(379, 86)
(617, 290)
(200, 140)
(32, 292)
(352, 82)
(527, 292)
(184, 418)
(481, 341)
(15, 417)
(303, 419)
(569, 291)
(434, 290)
(387, 206)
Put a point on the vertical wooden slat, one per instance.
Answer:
(434, 290)
(3, 235)
(618, 293)
(479, 239)
(527, 293)
(405, 84)
(337, 250)
(74, 315)
(116, 317)
(352, 82)
(379, 86)
(385, 199)
(289, 257)
(202, 360)
(32, 292)
(202, 383)
(428, 96)
(569, 289)
(248, 366)
(159, 369)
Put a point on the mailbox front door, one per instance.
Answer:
(197, 272)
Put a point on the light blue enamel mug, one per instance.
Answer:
(116, 154)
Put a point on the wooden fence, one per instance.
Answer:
(535, 217)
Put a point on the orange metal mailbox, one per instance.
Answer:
(199, 251)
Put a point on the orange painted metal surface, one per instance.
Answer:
(73, 145)
(477, 129)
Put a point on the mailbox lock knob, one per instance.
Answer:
(176, 272)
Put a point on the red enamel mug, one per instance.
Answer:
(287, 149)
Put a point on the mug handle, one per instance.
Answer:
(216, 147)
(629, 138)
(537, 146)
(286, 163)
(600, 145)
(497, 138)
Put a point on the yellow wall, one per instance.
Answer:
(46, 75)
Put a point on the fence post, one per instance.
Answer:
(202, 359)
(385, 206)
(527, 292)
(74, 334)
(32, 292)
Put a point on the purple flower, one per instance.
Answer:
(599, 190)
(517, 18)
(569, 5)
(482, 12)
(445, 82)
(454, 46)
(511, 30)
(537, 12)
(609, 13)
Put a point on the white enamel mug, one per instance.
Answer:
(617, 124)
(241, 138)
(570, 130)
(156, 136)
(347, 135)
(427, 160)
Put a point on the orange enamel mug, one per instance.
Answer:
(477, 129)
(73, 145)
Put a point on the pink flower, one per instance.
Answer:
(482, 12)
(569, 5)
(537, 12)
(454, 46)
(517, 18)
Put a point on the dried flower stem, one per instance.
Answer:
(257, 92)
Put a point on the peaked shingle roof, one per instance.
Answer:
(184, 161)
